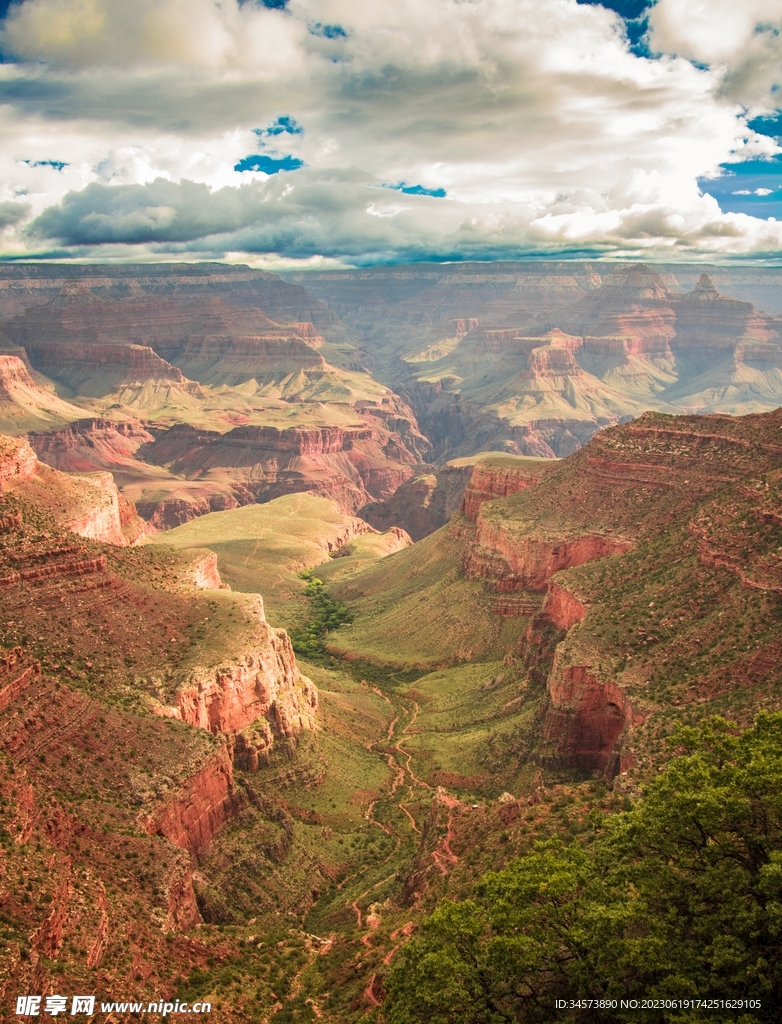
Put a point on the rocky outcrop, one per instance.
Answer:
(99, 369)
(518, 562)
(498, 479)
(17, 462)
(587, 719)
(55, 566)
(235, 360)
(13, 372)
(107, 515)
(16, 670)
(49, 937)
(562, 607)
(417, 507)
(206, 575)
(261, 693)
(264, 685)
(168, 513)
(200, 807)
(26, 401)
(90, 506)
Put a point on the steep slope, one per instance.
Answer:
(27, 400)
(130, 684)
(534, 358)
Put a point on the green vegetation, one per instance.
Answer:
(261, 548)
(327, 614)
(415, 608)
(677, 899)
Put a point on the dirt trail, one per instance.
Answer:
(407, 754)
(399, 761)
(369, 992)
(445, 856)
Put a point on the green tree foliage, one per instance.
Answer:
(679, 898)
(309, 640)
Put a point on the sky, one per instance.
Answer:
(320, 133)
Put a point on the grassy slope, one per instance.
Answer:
(261, 548)
(414, 608)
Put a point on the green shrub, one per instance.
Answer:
(678, 898)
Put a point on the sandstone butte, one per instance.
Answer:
(77, 604)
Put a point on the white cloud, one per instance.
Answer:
(534, 116)
(742, 37)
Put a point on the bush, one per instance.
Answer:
(679, 898)
(310, 640)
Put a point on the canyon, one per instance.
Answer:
(534, 358)
(522, 522)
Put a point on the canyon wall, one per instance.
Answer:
(200, 807)
(587, 718)
(515, 562)
(492, 479)
(349, 465)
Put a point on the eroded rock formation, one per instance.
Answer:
(587, 718)
(348, 465)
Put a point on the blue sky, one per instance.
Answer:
(333, 132)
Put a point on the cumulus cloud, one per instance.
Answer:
(742, 37)
(13, 213)
(193, 34)
(494, 126)
(343, 213)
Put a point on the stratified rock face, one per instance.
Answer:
(25, 285)
(90, 506)
(103, 518)
(528, 563)
(18, 462)
(97, 370)
(538, 357)
(264, 684)
(562, 607)
(26, 402)
(497, 479)
(348, 465)
(417, 507)
(38, 713)
(168, 513)
(92, 444)
(263, 689)
(587, 718)
(94, 343)
(199, 809)
(53, 578)
(206, 575)
(13, 371)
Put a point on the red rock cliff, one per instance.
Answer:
(563, 608)
(200, 807)
(587, 718)
(528, 562)
(496, 481)
(17, 461)
(262, 688)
